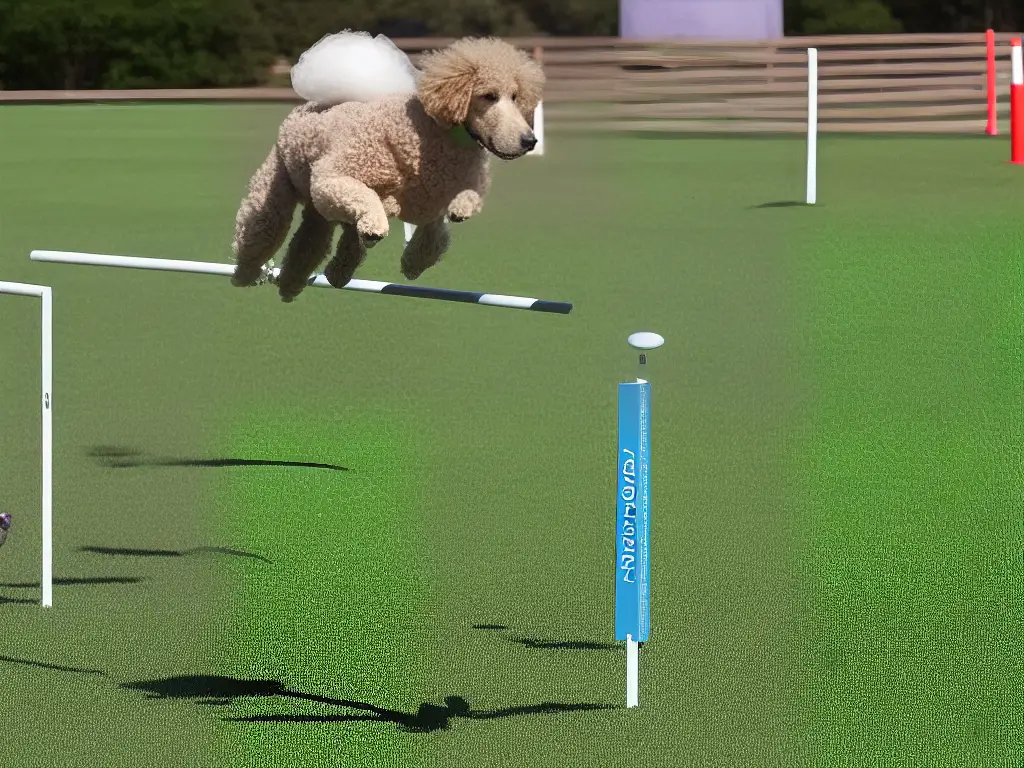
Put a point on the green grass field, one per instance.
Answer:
(371, 531)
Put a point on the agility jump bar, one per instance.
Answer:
(318, 280)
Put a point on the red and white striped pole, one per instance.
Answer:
(1017, 104)
(992, 129)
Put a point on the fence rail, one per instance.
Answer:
(868, 84)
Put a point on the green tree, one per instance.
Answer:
(50, 44)
(832, 17)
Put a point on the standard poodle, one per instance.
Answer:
(396, 142)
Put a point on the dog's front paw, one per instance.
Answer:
(372, 229)
(465, 205)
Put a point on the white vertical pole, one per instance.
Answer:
(47, 406)
(632, 672)
(409, 230)
(812, 126)
(633, 646)
(538, 129)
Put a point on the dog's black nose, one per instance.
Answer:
(528, 140)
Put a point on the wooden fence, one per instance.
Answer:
(867, 84)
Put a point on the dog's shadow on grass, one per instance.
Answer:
(216, 690)
(113, 457)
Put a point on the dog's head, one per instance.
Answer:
(489, 87)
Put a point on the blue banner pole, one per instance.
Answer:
(633, 516)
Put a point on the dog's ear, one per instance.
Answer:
(446, 87)
(530, 83)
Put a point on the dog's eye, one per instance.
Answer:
(490, 97)
(515, 96)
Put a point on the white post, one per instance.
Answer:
(47, 405)
(632, 672)
(632, 646)
(812, 126)
(44, 293)
(538, 129)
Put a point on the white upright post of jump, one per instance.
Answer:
(538, 111)
(44, 293)
(633, 516)
(812, 126)
(538, 130)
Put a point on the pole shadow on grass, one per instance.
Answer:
(126, 458)
(44, 665)
(784, 204)
(17, 601)
(216, 690)
(82, 581)
(570, 645)
(551, 645)
(133, 552)
(65, 582)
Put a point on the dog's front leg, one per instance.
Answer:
(347, 200)
(470, 201)
(425, 249)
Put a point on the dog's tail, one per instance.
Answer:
(353, 66)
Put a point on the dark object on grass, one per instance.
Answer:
(5, 526)
(220, 691)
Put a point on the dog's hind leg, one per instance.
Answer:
(428, 244)
(263, 219)
(308, 247)
(347, 257)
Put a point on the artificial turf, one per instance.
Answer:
(836, 475)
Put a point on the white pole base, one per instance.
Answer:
(632, 672)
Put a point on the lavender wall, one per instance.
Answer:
(709, 19)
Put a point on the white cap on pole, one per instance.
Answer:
(644, 341)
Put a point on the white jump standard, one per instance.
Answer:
(319, 281)
(45, 293)
(812, 126)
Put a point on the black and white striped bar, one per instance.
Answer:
(365, 286)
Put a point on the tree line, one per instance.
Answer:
(71, 44)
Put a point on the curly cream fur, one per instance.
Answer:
(357, 164)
